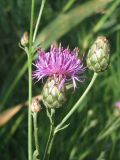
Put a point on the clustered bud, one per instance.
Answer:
(98, 55)
(53, 97)
(35, 106)
(25, 39)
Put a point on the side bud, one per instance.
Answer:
(35, 106)
(53, 97)
(98, 56)
(25, 39)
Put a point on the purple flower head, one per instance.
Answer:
(117, 104)
(61, 64)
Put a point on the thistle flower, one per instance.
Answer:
(60, 66)
(98, 55)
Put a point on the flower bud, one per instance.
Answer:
(90, 113)
(35, 106)
(25, 39)
(53, 97)
(98, 55)
(93, 123)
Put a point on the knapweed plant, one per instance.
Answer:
(58, 69)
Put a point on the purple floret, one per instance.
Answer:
(59, 63)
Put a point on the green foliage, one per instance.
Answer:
(93, 133)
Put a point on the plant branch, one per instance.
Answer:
(74, 108)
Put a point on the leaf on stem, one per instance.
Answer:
(35, 155)
(62, 128)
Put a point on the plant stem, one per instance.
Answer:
(31, 25)
(30, 83)
(74, 108)
(50, 145)
(36, 134)
(51, 135)
(29, 112)
(55, 130)
(38, 20)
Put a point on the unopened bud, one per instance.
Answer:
(98, 55)
(25, 39)
(90, 112)
(53, 97)
(94, 123)
(35, 106)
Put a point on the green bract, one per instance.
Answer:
(98, 55)
(52, 96)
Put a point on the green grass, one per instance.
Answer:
(75, 23)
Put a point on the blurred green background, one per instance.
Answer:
(94, 131)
